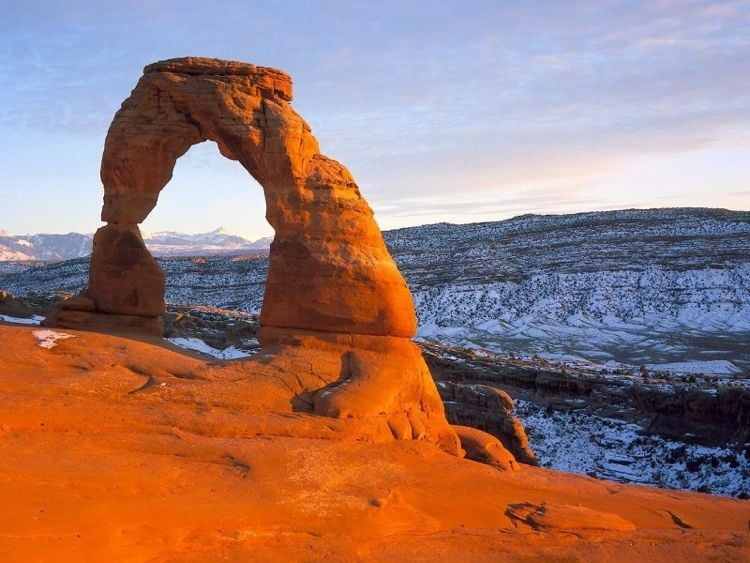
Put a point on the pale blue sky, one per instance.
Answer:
(444, 111)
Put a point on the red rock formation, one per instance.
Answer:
(488, 409)
(331, 281)
(485, 448)
(114, 449)
(329, 268)
(126, 280)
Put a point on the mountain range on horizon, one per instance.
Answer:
(48, 247)
(57, 247)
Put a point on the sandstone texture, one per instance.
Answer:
(332, 287)
(115, 449)
(485, 448)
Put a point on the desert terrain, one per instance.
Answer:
(124, 449)
(332, 441)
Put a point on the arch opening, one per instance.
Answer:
(209, 191)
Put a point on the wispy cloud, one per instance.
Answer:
(482, 98)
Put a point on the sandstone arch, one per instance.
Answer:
(329, 269)
(335, 301)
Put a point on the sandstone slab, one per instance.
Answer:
(119, 449)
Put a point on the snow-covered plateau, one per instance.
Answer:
(682, 320)
(643, 287)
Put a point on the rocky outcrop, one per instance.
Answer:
(485, 448)
(713, 415)
(13, 307)
(488, 409)
(332, 287)
(548, 516)
(329, 268)
(124, 278)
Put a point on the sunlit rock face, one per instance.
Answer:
(329, 269)
(332, 290)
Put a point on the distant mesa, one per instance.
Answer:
(333, 294)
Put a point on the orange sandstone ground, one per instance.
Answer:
(118, 449)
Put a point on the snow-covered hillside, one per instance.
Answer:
(633, 286)
(652, 316)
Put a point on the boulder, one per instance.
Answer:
(488, 409)
(485, 448)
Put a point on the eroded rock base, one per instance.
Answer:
(104, 322)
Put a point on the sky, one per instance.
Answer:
(456, 111)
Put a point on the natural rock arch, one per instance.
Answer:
(337, 315)
(329, 269)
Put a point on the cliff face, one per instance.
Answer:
(712, 416)
(650, 428)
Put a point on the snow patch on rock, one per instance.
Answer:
(48, 338)
(198, 345)
(34, 321)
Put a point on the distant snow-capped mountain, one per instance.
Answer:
(49, 247)
(43, 246)
(169, 243)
